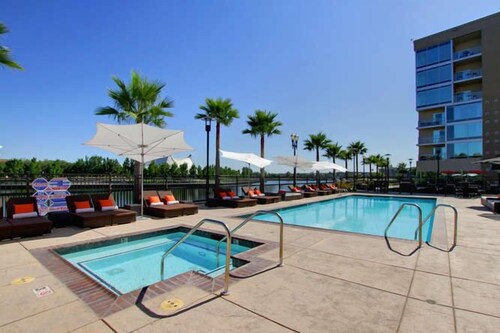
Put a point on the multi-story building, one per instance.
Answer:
(458, 96)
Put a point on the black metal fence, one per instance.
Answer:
(183, 187)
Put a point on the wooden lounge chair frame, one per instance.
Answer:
(262, 200)
(25, 227)
(94, 219)
(306, 194)
(164, 210)
(230, 203)
(118, 216)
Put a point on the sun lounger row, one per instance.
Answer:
(227, 198)
(163, 204)
(493, 203)
(23, 219)
(262, 198)
(97, 210)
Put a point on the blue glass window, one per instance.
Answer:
(434, 96)
(465, 131)
(464, 112)
(434, 76)
(465, 149)
(433, 55)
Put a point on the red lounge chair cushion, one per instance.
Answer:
(23, 208)
(309, 188)
(169, 197)
(231, 194)
(82, 204)
(222, 194)
(153, 199)
(258, 192)
(251, 194)
(296, 190)
(108, 204)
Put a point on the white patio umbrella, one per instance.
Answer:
(249, 158)
(140, 142)
(324, 165)
(294, 161)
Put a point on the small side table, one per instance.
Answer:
(134, 207)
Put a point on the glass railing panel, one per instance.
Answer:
(467, 96)
(437, 139)
(462, 54)
(468, 74)
(431, 123)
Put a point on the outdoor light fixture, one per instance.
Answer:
(388, 173)
(208, 126)
(438, 156)
(410, 160)
(295, 140)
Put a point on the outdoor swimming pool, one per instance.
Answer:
(126, 264)
(360, 214)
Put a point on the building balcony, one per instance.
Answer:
(431, 140)
(467, 75)
(467, 96)
(427, 157)
(431, 123)
(467, 53)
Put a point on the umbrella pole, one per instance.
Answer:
(142, 169)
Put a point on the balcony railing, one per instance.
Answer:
(468, 74)
(426, 157)
(467, 53)
(428, 123)
(431, 140)
(466, 96)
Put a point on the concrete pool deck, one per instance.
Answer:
(331, 282)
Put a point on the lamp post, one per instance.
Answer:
(410, 160)
(438, 157)
(295, 140)
(355, 167)
(208, 125)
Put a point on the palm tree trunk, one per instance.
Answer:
(217, 155)
(345, 176)
(317, 172)
(262, 169)
(334, 172)
(137, 182)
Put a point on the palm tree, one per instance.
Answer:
(345, 155)
(372, 159)
(262, 124)
(222, 111)
(357, 148)
(5, 59)
(332, 151)
(137, 102)
(317, 142)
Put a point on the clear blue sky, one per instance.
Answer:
(342, 67)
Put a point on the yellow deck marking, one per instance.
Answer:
(23, 280)
(171, 304)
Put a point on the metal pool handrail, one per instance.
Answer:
(239, 226)
(419, 229)
(228, 250)
(455, 221)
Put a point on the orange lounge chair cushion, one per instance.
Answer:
(24, 208)
(222, 194)
(82, 204)
(296, 190)
(169, 197)
(251, 194)
(107, 204)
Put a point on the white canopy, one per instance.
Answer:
(324, 165)
(181, 161)
(140, 142)
(294, 161)
(247, 158)
(494, 160)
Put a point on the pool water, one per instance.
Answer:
(361, 214)
(130, 264)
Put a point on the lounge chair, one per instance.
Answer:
(314, 188)
(226, 198)
(288, 196)
(83, 213)
(23, 216)
(154, 206)
(5, 227)
(106, 204)
(261, 197)
(187, 207)
(306, 194)
(492, 203)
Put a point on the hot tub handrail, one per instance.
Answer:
(403, 205)
(228, 250)
(248, 219)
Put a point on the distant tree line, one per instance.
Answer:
(104, 166)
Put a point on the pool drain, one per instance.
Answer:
(171, 304)
(23, 280)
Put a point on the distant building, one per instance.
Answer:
(458, 96)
